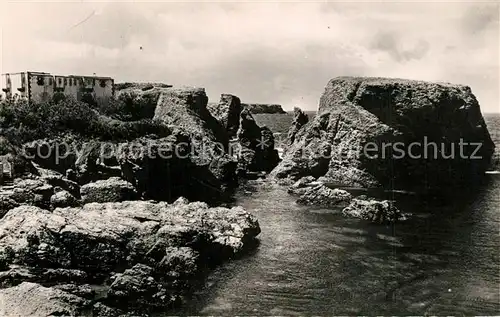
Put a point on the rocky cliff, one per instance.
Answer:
(381, 132)
(263, 108)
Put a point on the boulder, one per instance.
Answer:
(374, 211)
(356, 115)
(227, 111)
(113, 189)
(263, 108)
(63, 198)
(322, 196)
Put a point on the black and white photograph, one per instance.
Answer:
(249, 158)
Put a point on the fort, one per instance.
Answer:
(41, 86)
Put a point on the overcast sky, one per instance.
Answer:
(267, 52)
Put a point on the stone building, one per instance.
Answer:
(40, 86)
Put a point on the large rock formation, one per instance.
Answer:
(187, 109)
(256, 146)
(227, 111)
(360, 118)
(263, 108)
(144, 255)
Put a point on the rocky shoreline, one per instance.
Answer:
(118, 210)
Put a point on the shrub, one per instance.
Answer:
(21, 122)
(131, 106)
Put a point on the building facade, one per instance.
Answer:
(40, 87)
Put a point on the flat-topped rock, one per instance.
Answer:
(355, 111)
(264, 108)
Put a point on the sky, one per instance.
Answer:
(262, 52)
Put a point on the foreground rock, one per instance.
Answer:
(355, 112)
(263, 108)
(322, 196)
(30, 299)
(162, 247)
(374, 211)
(227, 112)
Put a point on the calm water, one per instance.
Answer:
(446, 260)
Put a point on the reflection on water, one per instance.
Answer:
(444, 261)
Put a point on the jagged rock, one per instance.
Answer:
(30, 299)
(264, 108)
(162, 170)
(300, 118)
(354, 112)
(227, 111)
(249, 134)
(374, 211)
(256, 152)
(322, 196)
(111, 190)
(187, 110)
(85, 166)
(63, 198)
